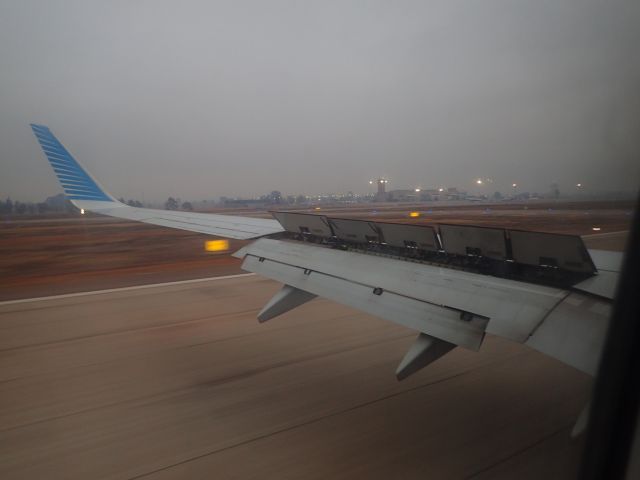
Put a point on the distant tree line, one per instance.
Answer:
(176, 204)
(273, 198)
(131, 203)
(56, 204)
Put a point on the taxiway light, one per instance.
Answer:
(216, 245)
(414, 214)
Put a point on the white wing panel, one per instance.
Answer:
(515, 309)
(212, 224)
(434, 320)
(574, 332)
(604, 284)
(606, 260)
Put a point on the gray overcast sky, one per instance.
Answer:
(205, 98)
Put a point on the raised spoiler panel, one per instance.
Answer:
(360, 231)
(541, 250)
(551, 249)
(478, 241)
(305, 223)
(411, 236)
(357, 231)
(514, 309)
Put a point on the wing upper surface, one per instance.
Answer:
(230, 226)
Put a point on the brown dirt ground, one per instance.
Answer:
(41, 257)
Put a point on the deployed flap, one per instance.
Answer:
(86, 193)
(286, 299)
(425, 350)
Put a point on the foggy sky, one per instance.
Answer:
(199, 99)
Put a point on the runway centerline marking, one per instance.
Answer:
(125, 289)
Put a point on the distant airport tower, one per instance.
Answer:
(381, 183)
(382, 187)
(381, 195)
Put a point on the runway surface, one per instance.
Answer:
(180, 381)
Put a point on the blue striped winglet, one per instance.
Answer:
(77, 184)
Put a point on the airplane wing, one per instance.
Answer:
(453, 284)
(86, 193)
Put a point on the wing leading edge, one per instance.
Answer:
(86, 193)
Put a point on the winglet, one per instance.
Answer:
(77, 183)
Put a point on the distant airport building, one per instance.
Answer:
(403, 196)
(425, 194)
(453, 193)
(415, 194)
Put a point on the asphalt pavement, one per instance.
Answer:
(180, 381)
